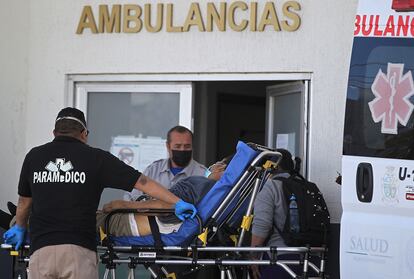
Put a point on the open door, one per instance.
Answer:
(286, 118)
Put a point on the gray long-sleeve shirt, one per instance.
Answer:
(270, 211)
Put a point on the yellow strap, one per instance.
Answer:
(203, 236)
(269, 164)
(247, 222)
(102, 235)
(234, 238)
(171, 275)
(14, 253)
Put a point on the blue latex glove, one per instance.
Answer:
(182, 209)
(15, 236)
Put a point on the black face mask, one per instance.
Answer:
(181, 158)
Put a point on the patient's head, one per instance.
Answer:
(218, 168)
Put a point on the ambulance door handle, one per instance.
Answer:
(364, 182)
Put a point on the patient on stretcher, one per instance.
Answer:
(191, 189)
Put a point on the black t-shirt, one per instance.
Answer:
(65, 179)
(191, 189)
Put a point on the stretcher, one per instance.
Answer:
(217, 236)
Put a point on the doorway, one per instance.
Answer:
(220, 108)
(239, 118)
(251, 111)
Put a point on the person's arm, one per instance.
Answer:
(135, 193)
(262, 222)
(23, 211)
(119, 204)
(16, 234)
(155, 190)
(264, 212)
(256, 241)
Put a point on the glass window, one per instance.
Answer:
(141, 115)
(287, 122)
(372, 59)
(131, 120)
(286, 114)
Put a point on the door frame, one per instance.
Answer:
(82, 89)
(72, 80)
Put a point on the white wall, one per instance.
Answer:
(321, 46)
(331, 50)
(13, 92)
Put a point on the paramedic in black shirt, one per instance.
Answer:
(60, 187)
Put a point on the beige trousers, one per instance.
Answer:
(66, 261)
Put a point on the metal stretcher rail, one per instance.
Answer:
(225, 263)
(232, 257)
(213, 262)
(223, 249)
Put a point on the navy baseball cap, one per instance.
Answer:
(72, 114)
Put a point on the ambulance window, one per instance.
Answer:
(362, 135)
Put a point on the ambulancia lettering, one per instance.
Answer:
(390, 26)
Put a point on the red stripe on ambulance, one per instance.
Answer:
(393, 26)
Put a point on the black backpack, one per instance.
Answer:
(314, 217)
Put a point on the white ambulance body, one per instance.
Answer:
(377, 226)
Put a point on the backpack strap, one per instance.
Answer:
(298, 175)
(286, 193)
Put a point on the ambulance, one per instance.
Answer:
(377, 225)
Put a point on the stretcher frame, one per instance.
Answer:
(252, 179)
(231, 257)
(148, 255)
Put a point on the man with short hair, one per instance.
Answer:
(177, 166)
(60, 187)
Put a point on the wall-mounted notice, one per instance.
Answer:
(138, 152)
(286, 141)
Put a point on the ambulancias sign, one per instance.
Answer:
(206, 17)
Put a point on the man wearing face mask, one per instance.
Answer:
(179, 164)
